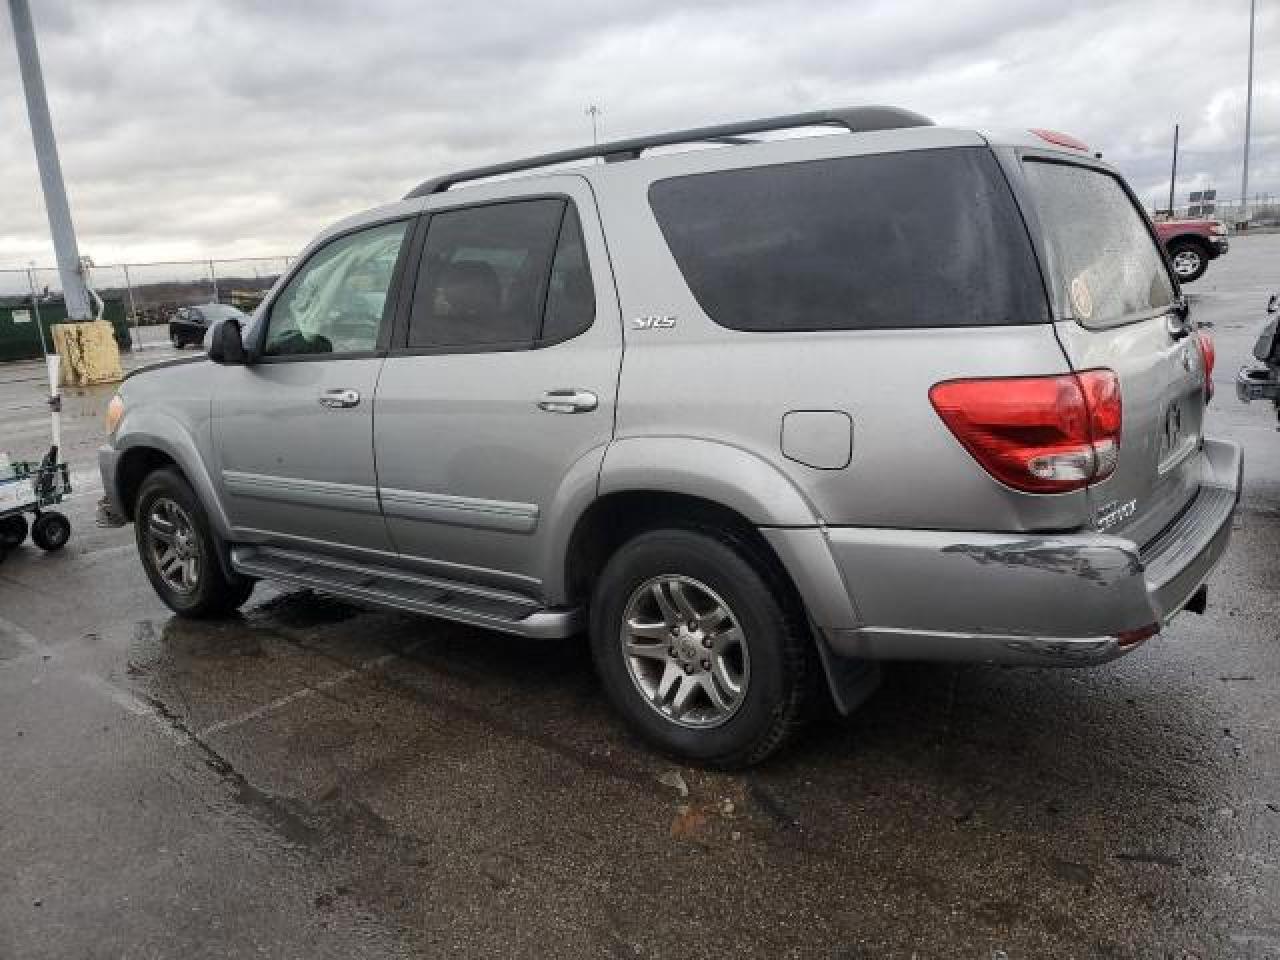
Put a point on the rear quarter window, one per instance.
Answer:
(927, 238)
(1102, 258)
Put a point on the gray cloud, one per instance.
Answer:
(240, 128)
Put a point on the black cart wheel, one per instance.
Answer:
(51, 531)
(13, 530)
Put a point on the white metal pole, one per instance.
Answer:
(133, 308)
(52, 362)
(55, 193)
(1248, 121)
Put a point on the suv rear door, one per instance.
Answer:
(1115, 306)
(496, 403)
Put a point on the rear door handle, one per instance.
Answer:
(568, 400)
(339, 397)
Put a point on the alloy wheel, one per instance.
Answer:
(685, 651)
(1186, 263)
(173, 545)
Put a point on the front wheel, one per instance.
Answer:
(699, 647)
(179, 551)
(1189, 261)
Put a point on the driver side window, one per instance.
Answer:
(335, 303)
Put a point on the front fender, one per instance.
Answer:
(154, 429)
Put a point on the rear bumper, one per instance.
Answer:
(1064, 600)
(1218, 246)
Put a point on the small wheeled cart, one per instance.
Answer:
(32, 487)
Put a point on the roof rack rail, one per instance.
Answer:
(853, 119)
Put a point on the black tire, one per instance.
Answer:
(1190, 260)
(783, 662)
(212, 593)
(50, 531)
(13, 531)
(177, 341)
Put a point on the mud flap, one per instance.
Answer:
(851, 681)
(107, 515)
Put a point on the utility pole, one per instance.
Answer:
(55, 194)
(1173, 174)
(1248, 122)
(594, 112)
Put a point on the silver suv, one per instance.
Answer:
(757, 413)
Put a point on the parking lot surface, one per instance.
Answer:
(316, 779)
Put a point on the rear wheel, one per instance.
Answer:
(1189, 260)
(51, 530)
(179, 551)
(698, 646)
(13, 530)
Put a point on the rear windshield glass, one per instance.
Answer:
(1101, 255)
(922, 239)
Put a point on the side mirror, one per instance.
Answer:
(225, 345)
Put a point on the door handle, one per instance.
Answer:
(568, 400)
(339, 397)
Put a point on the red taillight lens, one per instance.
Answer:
(1037, 434)
(1209, 354)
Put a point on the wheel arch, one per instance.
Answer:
(160, 443)
(1187, 239)
(638, 478)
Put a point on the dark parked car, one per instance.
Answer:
(190, 324)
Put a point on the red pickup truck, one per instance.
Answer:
(1191, 244)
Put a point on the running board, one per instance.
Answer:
(387, 587)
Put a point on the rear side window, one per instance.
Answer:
(1101, 255)
(920, 239)
(571, 299)
(484, 272)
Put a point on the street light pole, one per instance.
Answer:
(55, 193)
(1173, 174)
(593, 112)
(1248, 122)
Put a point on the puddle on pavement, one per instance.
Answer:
(304, 608)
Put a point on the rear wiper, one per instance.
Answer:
(1178, 320)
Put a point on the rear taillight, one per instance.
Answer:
(1209, 355)
(1038, 434)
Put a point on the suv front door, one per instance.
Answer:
(496, 403)
(294, 429)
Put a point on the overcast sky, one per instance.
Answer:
(233, 128)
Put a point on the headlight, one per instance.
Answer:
(115, 410)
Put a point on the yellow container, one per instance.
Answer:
(89, 353)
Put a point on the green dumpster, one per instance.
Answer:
(22, 322)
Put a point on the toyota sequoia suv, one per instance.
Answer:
(757, 406)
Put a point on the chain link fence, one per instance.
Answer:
(151, 292)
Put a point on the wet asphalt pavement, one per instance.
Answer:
(320, 780)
